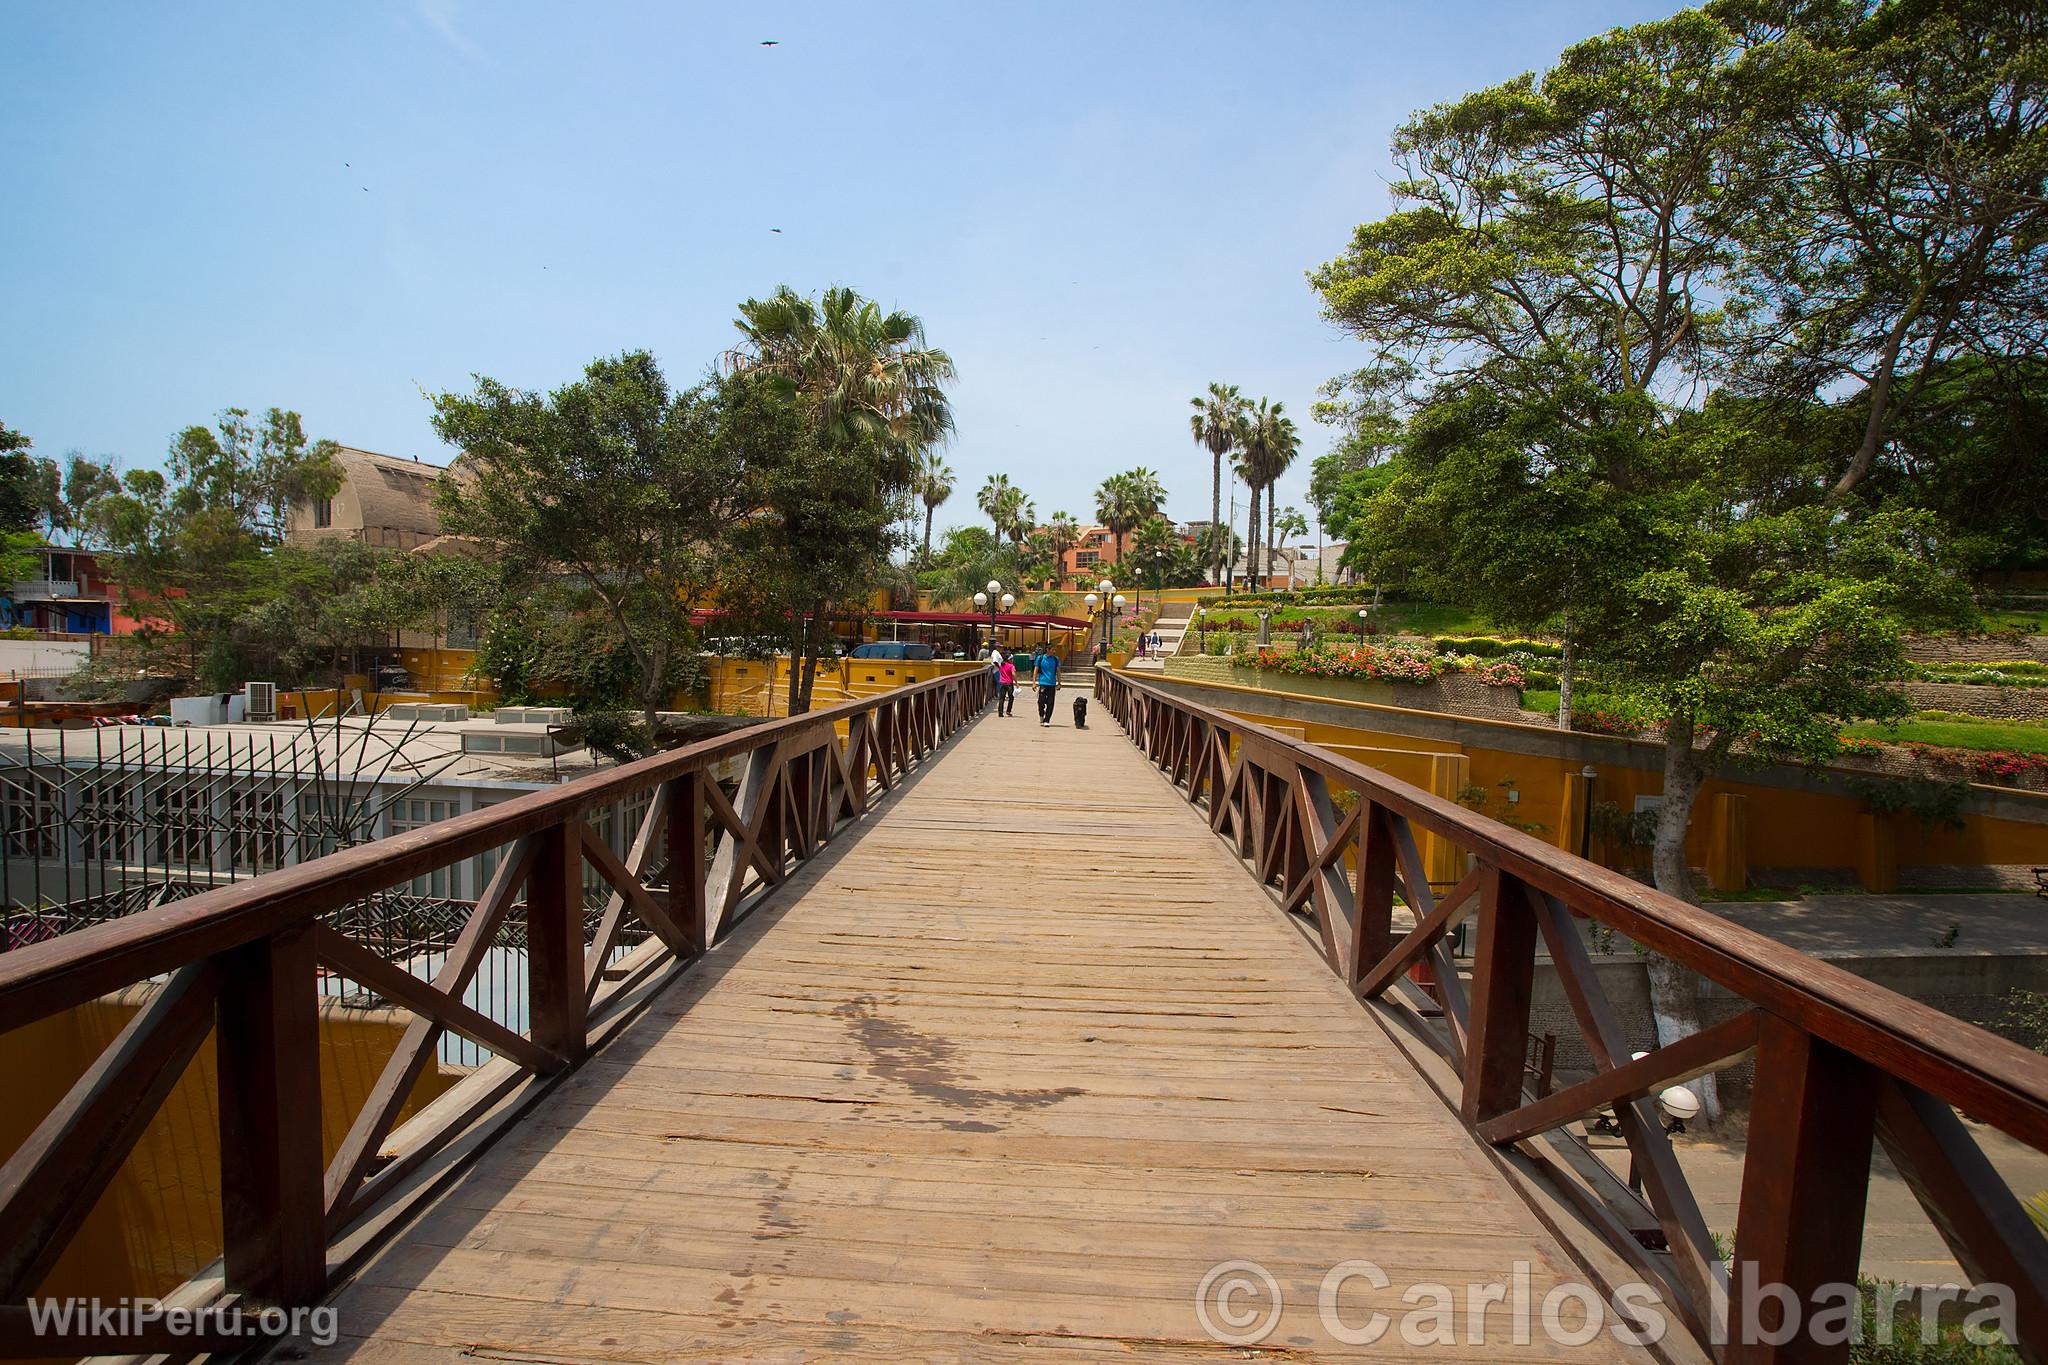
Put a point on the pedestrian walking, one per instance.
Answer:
(1048, 686)
(1006, 688)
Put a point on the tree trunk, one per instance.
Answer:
(651, 688)
(798, 628)
(1251, 544)
(1219, 545)
(1674, 989)
(924, 560)
(1268, 524)
(1565, 669)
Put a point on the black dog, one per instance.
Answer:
(1081, 712)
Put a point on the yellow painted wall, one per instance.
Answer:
(1768, 826)
(760, 687)
(160, 1221)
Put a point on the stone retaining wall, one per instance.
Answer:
(1975, 649)
(1998, 703)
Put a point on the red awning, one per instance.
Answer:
(980, 618)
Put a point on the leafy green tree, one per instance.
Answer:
(1971, 453)
(819, 533)
(64, 497)
(1289, 523)
(17, 481)
(610, 483)
(1897, 217)
(1218, 426)
(195, 544)
(336, 596)
(1574, 262)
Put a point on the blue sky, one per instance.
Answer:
(1097, 208)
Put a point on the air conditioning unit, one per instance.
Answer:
(261, 701)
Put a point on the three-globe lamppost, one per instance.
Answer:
(993, 600)
(1112, 602)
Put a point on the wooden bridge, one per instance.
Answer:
(958, 1037)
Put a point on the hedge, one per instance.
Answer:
(1492, 646)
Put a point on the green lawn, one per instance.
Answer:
(1958, 733)
(1940, 727)
(2016, 622)
(1430, 618)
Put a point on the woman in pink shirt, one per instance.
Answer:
(1006, 689)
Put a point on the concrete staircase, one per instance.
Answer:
(1173, 622)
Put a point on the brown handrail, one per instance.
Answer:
(42, 978)
(243, 962)
(1839, 1060)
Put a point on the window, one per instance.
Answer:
(1082, 558)
(417, 813)
(104, 822)
(34, 814)
(323, 512)
(256, 828)
(183, 819)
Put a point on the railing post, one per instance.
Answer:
(1805, 1180)
(267, 1045)
(686, 894)
(1503, 974)
(1372, 898)
(554, 942)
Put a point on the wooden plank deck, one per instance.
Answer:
(1001, 1078)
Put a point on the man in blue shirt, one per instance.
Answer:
(1048, 678)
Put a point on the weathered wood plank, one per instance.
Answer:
(1020, 1063)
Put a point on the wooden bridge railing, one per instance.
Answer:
(242, 962)
(1838, 1061)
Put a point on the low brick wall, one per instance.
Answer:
(1975, 649)
(1996, 703)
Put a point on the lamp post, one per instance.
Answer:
(1202, 628)
(1112, 601)
(1364, 615)
(993, 600)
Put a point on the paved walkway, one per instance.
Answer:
(1903, 922)
(1003, 1078)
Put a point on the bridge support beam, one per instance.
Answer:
(1805, 1180)
(267, 1042)
(1503, 978)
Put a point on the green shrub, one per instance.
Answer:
(1492, 646)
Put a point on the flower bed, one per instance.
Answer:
(1380, 663)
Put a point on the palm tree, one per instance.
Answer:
(1286, 447)
(1153, 548)
(1268, 431)
(1064, 533)
(997, 500)
(1218, 424)
(1125, 500)
(859, 372)
(1020, 516)
(934, 486)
